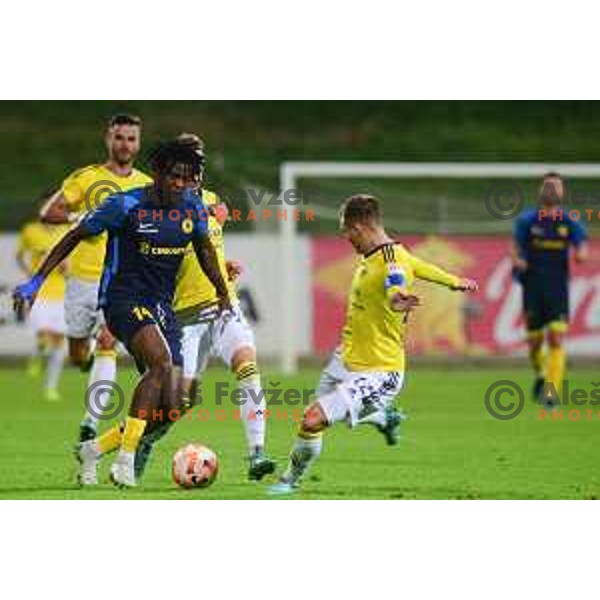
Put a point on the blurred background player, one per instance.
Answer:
(543, 237)
(91, 345)
(367, 372)
(47, 316)
(138, 284)
(205, 334)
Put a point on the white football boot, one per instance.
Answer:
(282, 488)
(88, 456)
(122, 471)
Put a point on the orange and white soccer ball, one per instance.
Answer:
(195, 466)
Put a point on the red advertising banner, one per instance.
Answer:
(489, 322)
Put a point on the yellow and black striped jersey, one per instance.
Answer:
(373, 334)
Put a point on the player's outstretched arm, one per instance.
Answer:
(109, 216)
(24, 294)
(467, 285)
(55, 211)
(429, 272)
(209, 263)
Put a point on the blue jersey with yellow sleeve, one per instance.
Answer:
(146, 244)
(544, 243)
(91, 185)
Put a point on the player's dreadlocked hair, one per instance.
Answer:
(164, 157)
(193, 141)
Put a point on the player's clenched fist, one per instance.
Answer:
(467, 285)
(24, 295)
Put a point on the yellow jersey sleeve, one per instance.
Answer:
(34, 244)
(74, 188)
(24, 241)
(429, 272)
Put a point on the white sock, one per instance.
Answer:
(124, 456)
(303, 454)
(103, 369)
(253, 411)
(54, 366)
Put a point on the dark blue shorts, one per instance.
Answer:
(126, 317)
(545, 302)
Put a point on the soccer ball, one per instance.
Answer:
(195, 466)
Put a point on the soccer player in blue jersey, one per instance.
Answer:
(148, 229)
(543, 237)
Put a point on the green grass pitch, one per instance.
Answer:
(451, 447)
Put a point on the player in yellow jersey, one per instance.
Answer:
(367, 371)
(207, 333)
(47, 316)
(90, 342)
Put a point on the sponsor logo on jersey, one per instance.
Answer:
(148, 249)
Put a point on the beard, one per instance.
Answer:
(123, 158)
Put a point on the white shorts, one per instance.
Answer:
(217, 338)
(353, 395)
(81, 308)
(48, 316)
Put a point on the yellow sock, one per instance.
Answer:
(134, 430)
(246, 370)
(307, 435)
(537, 358)
(110, 440)
(556, 367)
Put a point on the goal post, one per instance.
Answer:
(291, 172)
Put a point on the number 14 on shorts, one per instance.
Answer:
(141, 313)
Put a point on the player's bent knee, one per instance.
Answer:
(242, 355)
(106, 340)
(314, 420)
(555, 339)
